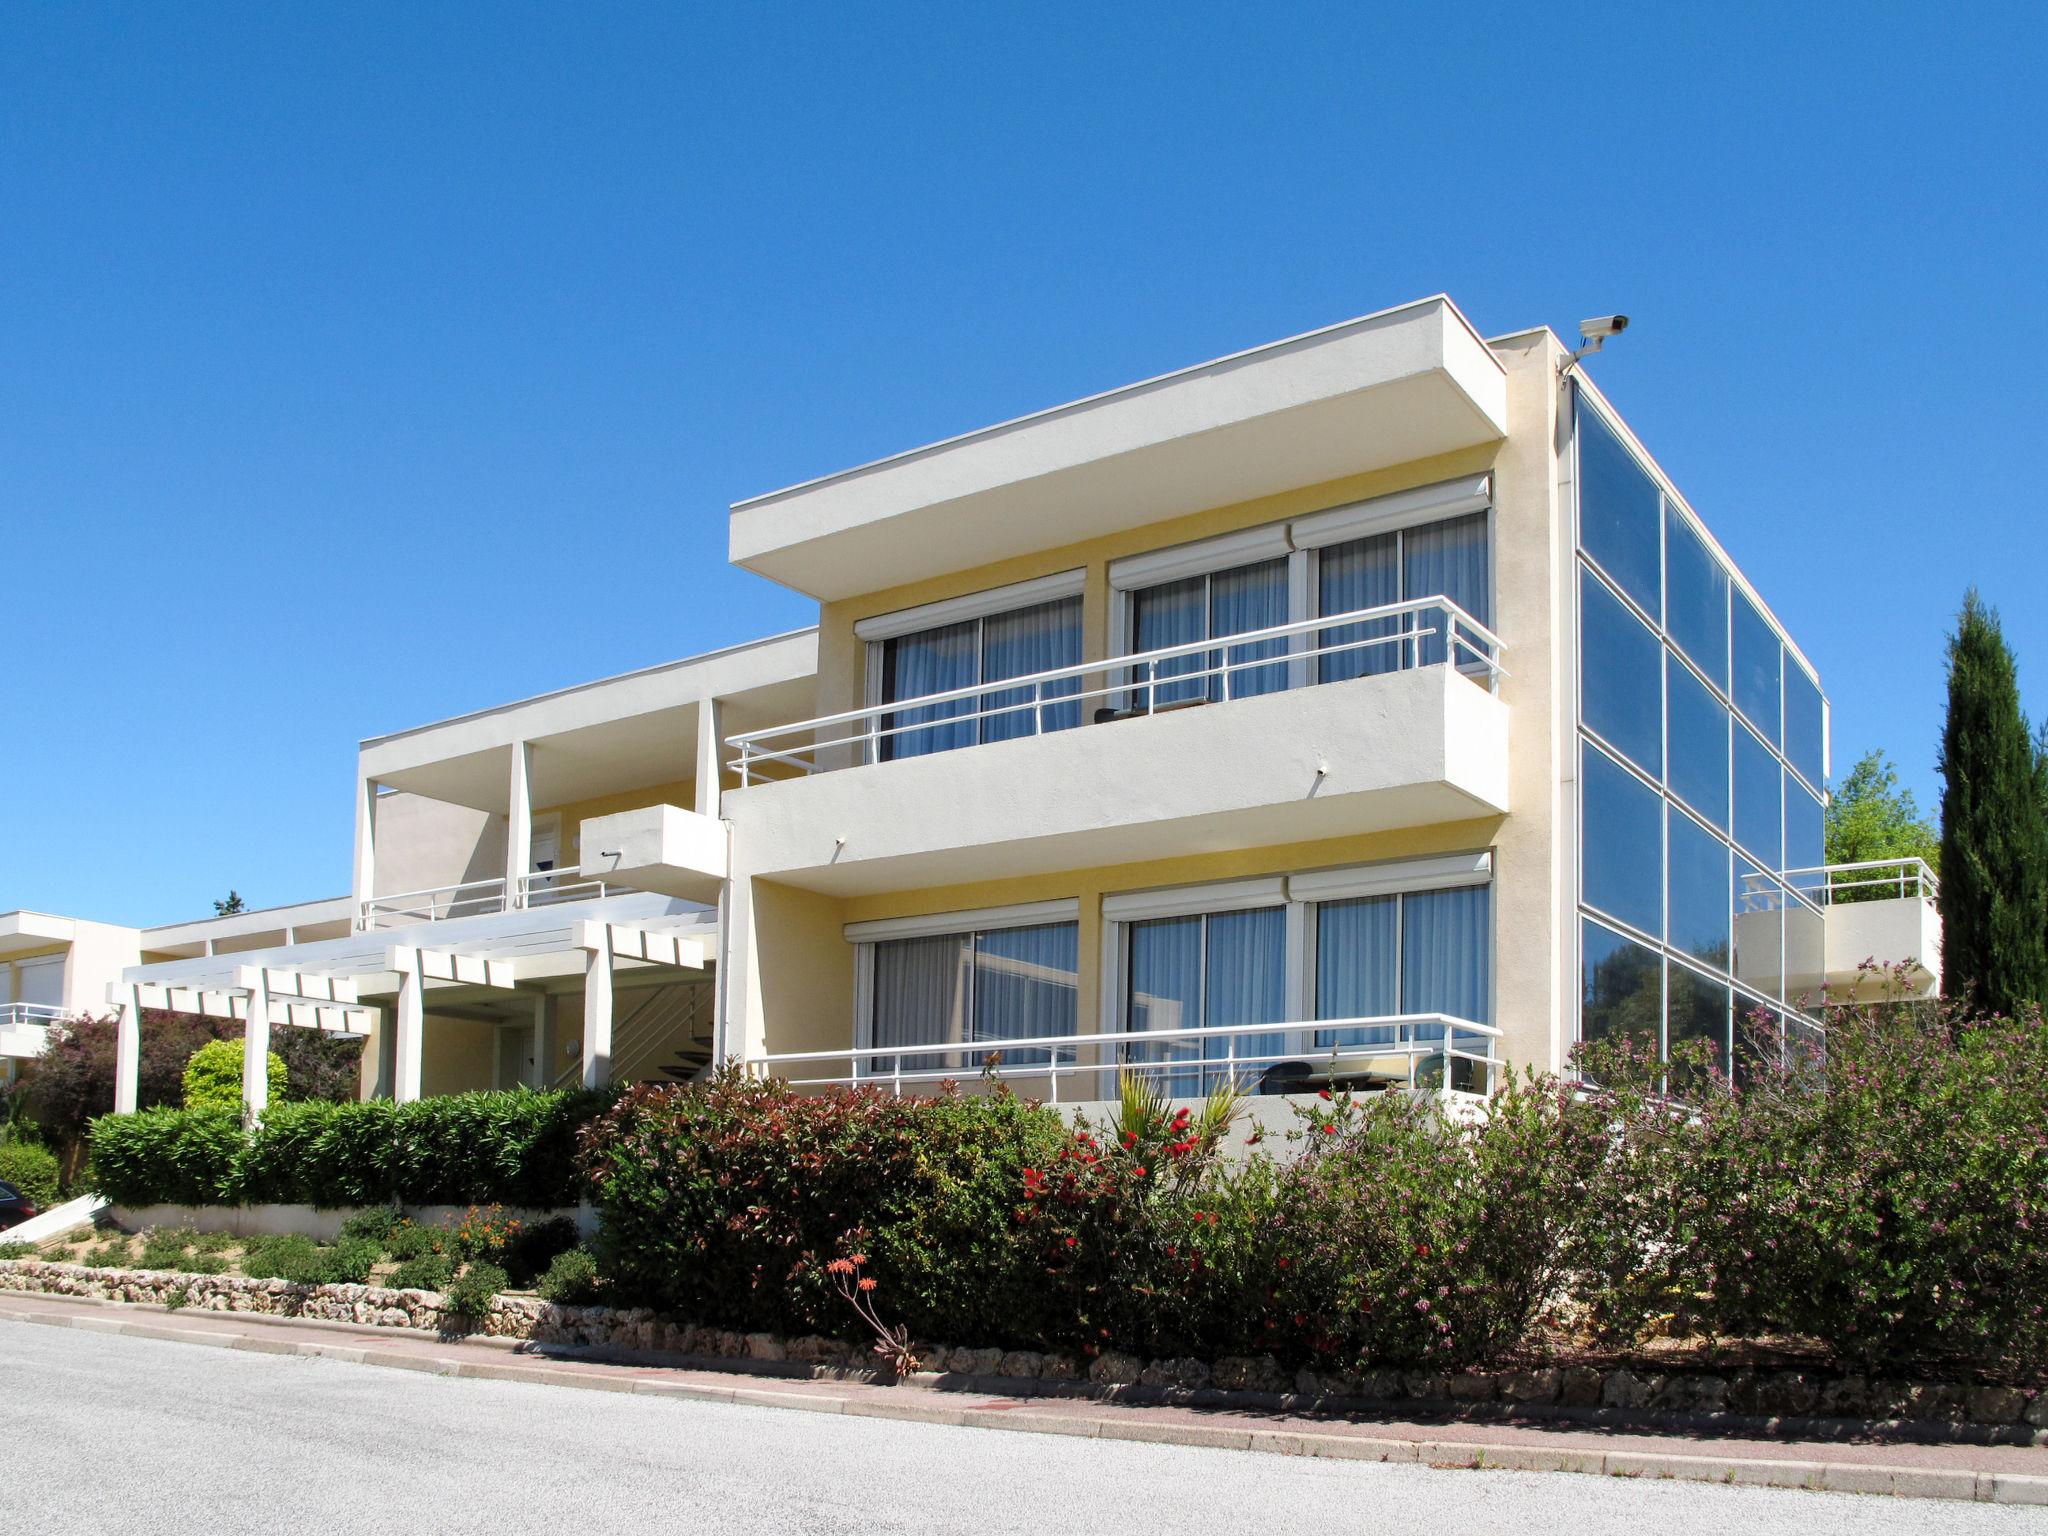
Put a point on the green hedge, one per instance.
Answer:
(31, 1169)
(464, 1149)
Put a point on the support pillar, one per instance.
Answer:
(128, 1052)
(518, 824)
(543, 1040)
(597, 1005)
(710, 754)
(256, 1046)
(410, 1031)
(366, 847)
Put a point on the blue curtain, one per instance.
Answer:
(1025, 982)
(1447, 962)
(1447, 559)
(1175, 613)
(1364, 573)
(1034, 639)
(1246, 983)
(1358, 973)
(1247, 598)
(921, 998)
(1165, 992)
(930, 661)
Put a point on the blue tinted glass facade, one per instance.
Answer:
(1688, 917)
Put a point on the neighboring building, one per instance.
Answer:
(1364, 706)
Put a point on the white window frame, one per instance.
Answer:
(1298, 894)
(1301, 541)
(865, 936)
(874, 632)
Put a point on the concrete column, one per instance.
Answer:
(256, 1047)
(366, 845)
(518, 823)
(597, 1005)
(384, 1084)
(411, 1026)
(710, 753)
(543, 1075)
(128, 1053)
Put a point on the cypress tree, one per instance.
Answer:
(1994, 826)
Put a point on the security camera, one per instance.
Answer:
(1600, 327)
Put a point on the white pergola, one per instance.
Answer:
(323, 986)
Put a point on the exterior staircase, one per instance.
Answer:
(667, 1039)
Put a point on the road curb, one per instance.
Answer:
(1446, 1452)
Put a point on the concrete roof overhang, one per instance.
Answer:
(1404, 384)
(603, 737)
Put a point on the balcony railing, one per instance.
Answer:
(1869, 880)
(1416, 1051)
(16, 1015)
(476, 898)
(1426, 631)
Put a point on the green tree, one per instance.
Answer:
(1871, 817)
(231, 906)
(213, 1077)
(1994, 826)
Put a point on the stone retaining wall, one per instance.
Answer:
(1785, 1398)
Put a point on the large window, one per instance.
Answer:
(985, 649)
(1703, 753)
(1429, 542)
(1009, 979)
(1344, 946)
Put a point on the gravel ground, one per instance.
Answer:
(104, 1434)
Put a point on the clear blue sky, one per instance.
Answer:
(343, 348)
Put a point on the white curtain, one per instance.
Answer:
(1358, 973)
(921, 998)
(930, 661)
(1447, 559)
(1365, 573)
(1034, 639)
(1025, 982)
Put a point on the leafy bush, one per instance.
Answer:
(31, 1169)
(513, 1148)
(427, 1272)
(537, 1246)
(571, 1280)
(213, 1077)
(284, 1256)
(471, 1293)
(167, 1156)
(725, 1203)
(17, 1250)
(348, 1262)
(375, 1224)
(409, 1240)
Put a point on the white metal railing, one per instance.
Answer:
(550, 887)
(1413, 1050)
(1144, 682)
(1867, 880)
(15, 1015)
(470, 898)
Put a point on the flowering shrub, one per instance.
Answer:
(1888, 1198)
(726, 1203)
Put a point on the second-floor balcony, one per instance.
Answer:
(1882, 911)
(1347, 723)
(478, 898)
(25, 1029)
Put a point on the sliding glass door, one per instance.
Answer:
(974, 989)
(1213, 970)
(1211, 607)
(1038, 638)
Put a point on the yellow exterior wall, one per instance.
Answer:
(807, 965)
(842, 658)
(677, 792)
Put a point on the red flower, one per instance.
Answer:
(867, 1283)
(1329, 1130)
(1138, 1172)
(1324, 1094)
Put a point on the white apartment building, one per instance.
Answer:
(1365, 708)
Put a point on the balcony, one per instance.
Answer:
(660, 848)
(1218, 744)
(1430, 1052)
(1884, 911)
(480, 898)
(25, 1029)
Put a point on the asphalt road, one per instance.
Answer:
(104, 1434)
